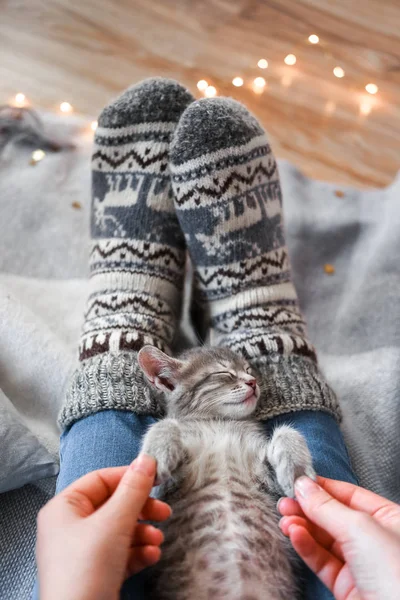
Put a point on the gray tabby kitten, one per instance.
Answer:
(221, 477)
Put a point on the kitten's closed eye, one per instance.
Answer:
(225, 375)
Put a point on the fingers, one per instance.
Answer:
(319, 535)
(289, 507)
(132, 493)
(351, 495)
(357, 497)
(155, 510)
(286, 522)
(142, 557)
(293, 514)
(331, 571)
(85, 495)
(323, 510)
(326, 566)
(147, 535)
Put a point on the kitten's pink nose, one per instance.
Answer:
(252, 383)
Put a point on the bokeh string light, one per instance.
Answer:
(371, 88)
(290, 60)
(65, 107)
(258, 85)
(259, 82)
(262, 63)
(210, 91)
(237, 81)
(339, 72)
(37, 156)
(20, 99)
(202, 85)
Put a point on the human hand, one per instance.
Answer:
(89, 540)
(348, 536)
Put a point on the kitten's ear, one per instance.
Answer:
(161, 370)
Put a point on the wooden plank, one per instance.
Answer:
(86, 52)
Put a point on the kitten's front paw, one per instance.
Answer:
(288, 453)
(163, 474)
(163, 441)
(168, 463)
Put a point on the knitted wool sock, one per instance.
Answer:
(228, 201)
(137, 253)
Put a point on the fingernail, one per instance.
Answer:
(278, 503)
(305, 487)
(145, 464)
(281, 521)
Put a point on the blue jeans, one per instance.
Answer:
(112, 438)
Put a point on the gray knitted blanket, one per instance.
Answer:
(352, 313)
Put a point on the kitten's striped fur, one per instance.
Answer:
(222, 478)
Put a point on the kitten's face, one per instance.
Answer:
(204, 382)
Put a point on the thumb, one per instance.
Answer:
(323, 510)
(132, 493)
(370, 551)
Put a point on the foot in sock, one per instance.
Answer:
(228, 201)
(137, 252)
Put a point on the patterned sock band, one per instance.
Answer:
(137, 254)
(228, 201)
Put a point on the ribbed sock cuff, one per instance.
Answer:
(292, 383)
(109, 381)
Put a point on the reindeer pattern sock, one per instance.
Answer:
(229, 204)
(137, 255)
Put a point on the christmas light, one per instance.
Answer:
(202, 85)
(313, 39)
(20, 99)
(37, 156)
(371, 88)
(237, 82)
(262, 63)
(210, 91)
(338, 72)
(259, 82)
(290, 59)
(65, 107)
(365, 108)
(93, 125)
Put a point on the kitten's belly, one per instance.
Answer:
(223, 540)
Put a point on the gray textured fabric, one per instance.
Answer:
(108, 381)
(147, 102)
(43, 287)
(352, 315)
(291, 383)
(23, 458)
(18, 510)
(197, 138)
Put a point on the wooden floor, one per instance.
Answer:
(86, 51)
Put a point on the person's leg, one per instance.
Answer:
(109, 438)
(137, 256)
(137, 265)
(330, 459)
(229, 205)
